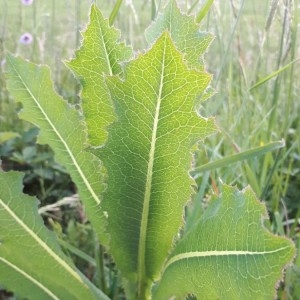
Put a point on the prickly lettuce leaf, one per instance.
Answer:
(228, 254)
(144, 117)
(184, 32)
(100, 54)
(62, 128)
(31, 261)
(148, 156)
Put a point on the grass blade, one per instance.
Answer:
(203, 11)
(114, 12)
(224, 162)
(275, 73)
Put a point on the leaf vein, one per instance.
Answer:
(40, 285)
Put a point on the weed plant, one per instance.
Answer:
(253, 40)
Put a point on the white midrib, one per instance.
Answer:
(147, 196)
(196, 254)
(41, 243)
(30, 278)
(106, 52)
(73, 159)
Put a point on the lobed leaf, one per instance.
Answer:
(148, 155)
(184, 32)
(228, 254)
(62, 128)
(100, 53)
(31, 262)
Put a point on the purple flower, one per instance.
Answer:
(26, 39)
(27, 2)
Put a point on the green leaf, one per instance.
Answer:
(31, 261)
(62, 128)
(228, 254)
(184, 33)
(6, 136)
(100, 53)
(148, 155)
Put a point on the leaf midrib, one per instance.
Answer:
(196, 254)
(104, 45)
(145, 213)
(81, 173)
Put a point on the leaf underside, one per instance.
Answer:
(148, 156)
(31, 261)
(228, 254)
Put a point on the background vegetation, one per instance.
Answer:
(255, 62)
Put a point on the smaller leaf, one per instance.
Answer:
(184, 32)
(100, 53)
(228, 254)
(31, 261)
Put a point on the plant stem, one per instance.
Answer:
(100, 267)
(230, 42)
(277, 85)
(153, 10)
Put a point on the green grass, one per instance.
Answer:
(253, 40)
